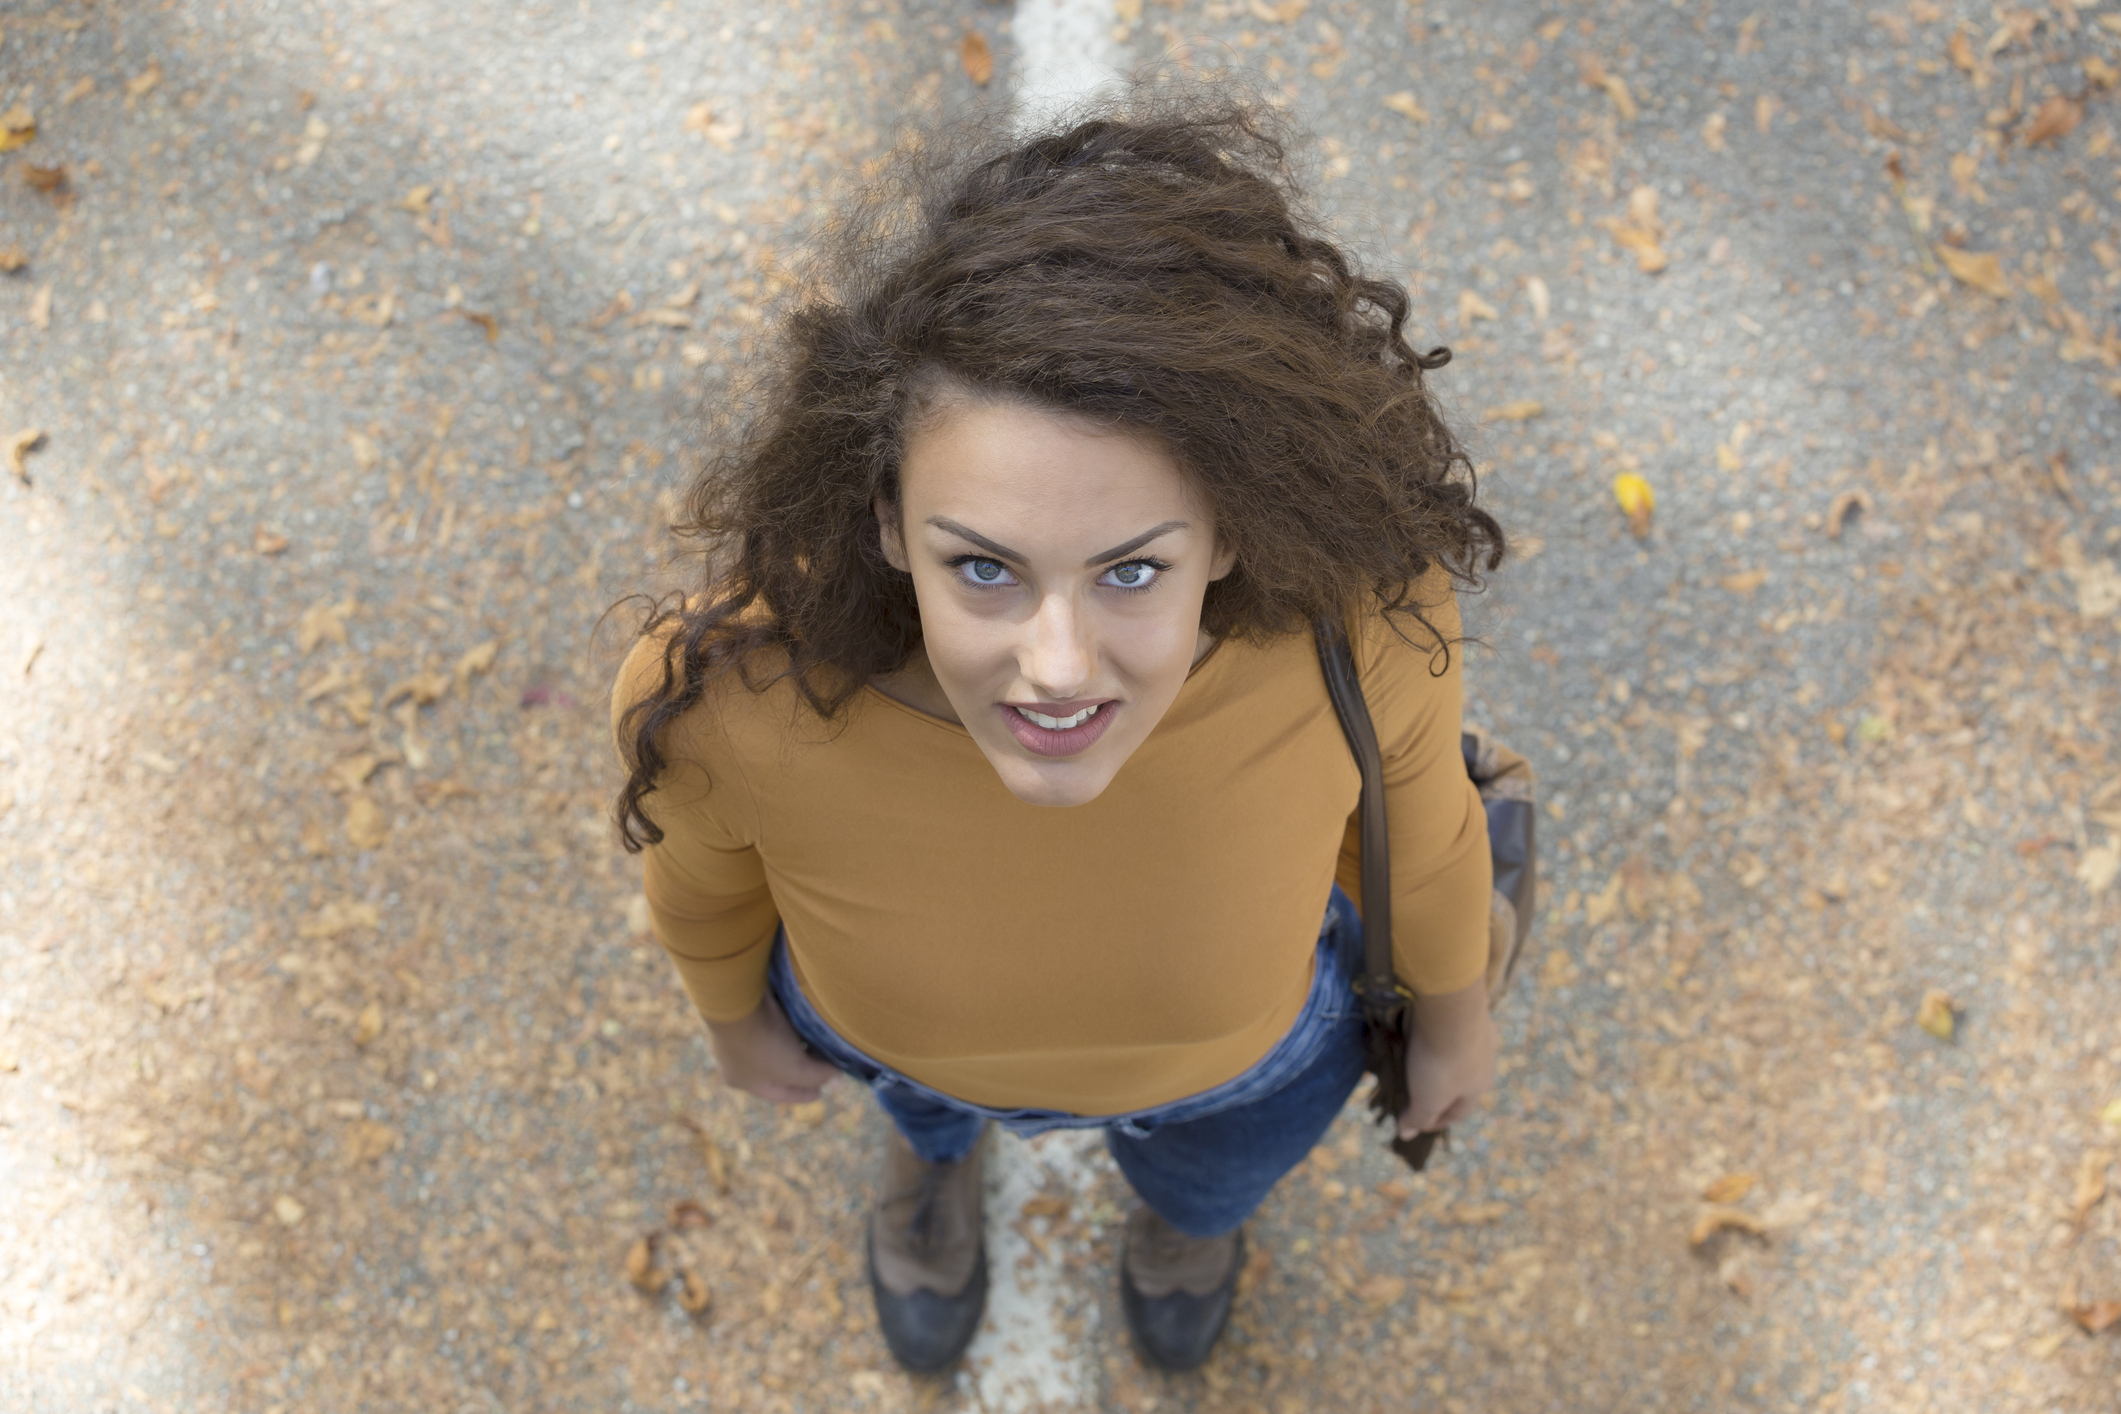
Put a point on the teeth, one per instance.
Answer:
(1059, 724)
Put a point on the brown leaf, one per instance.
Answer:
(353, 772)
(693, 1294)
(422, 688)
(1961, 51)
(1720, 1217)
(2096, 1316)
(321, 622)
(265, 541)
(49, 180)
(2091, 1186)
(12, 258)
(365, 823)
(2057, 119)
(1745, 582)
(369, 1024)
(1382, 1290)
(1730, 1188)
(475, 661)
(146, 79)
(687, 1213)
(369, 1141)
(491, 325)
(642, 1269)
(1471, 307)
(1935, 1014)
(19, 447)
(1980, 269)
(1845, 506)
(973, 52)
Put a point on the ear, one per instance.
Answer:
(894, 542)
(1225, 559)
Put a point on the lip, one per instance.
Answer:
(1042, 742)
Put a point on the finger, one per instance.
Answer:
(1409, 1126)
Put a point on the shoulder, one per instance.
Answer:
(655, 669)
(1417, 640)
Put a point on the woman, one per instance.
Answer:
(993, 764)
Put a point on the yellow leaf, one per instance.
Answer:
(1980, 269)
(1935, 1014)
(18, 128)
(1730, 1188)
(1637, 501)
(1404, 104)
(2110, 1113)
(1521, 410)
(19, 447)
(369, 1024)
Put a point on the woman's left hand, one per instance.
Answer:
(1450, 1059)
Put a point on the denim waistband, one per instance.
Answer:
(1330, 1003)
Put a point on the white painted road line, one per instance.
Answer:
(1064, 51)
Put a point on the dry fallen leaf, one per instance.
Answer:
(2057, 119)
(693, 1294)
(638, 919)
(2096, 1316)
(321, 622)
(146, 79)
(370, 1141)
(1642, 231)
(2099, 867)
(18, 128)
(1616, 89)
(2110, 1113)
(973, 52)
(40, 307)
(642, 1269)
(491, 325)
(1736, 1271)
(1935, 1014)
(1382, 1290)
(1637, 501)
(475, 661)
(1745, 582)
(369, 1024)
(1980, 269)
(1730, 1188)
(1961, 51)
(49, 180)
(1844, 507)
(422, 688)
(365, 823)
(266, 541)
(1471, 307)
(287, 1210)
(1716, 1219)
(19, 447)
(1521, 410)
(12, 258)
(1404, 104)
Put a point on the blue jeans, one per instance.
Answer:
(1202, 1162)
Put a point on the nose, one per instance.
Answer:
(1057, 656)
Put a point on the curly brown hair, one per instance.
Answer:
(1148, 268)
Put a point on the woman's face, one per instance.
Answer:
(1060, 573)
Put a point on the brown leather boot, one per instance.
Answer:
(1177, 1290)
(927, 1259)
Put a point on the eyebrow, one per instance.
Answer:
(1103, 557)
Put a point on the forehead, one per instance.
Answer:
(1032, 466)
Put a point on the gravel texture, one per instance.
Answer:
(366, 344)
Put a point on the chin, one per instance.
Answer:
(1059, 783)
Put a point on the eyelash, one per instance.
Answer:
(960, 561)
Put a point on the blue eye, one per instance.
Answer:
(1135, 576)
(983, 573)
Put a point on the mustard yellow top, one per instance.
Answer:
(1095, 959)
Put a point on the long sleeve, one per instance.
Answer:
(708, 901)
(1441, 871)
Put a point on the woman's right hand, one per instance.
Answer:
(762, 1054)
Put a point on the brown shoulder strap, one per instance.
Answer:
(1379, 987)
